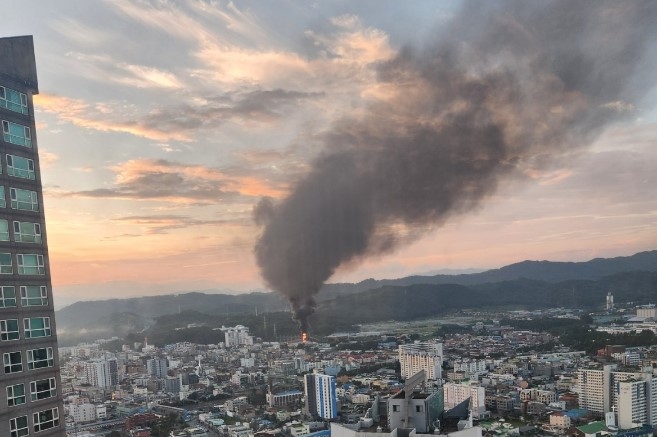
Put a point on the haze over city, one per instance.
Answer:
(157, 142)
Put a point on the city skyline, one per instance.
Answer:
(156, 142)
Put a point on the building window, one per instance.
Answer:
(45, 419)
(395, 408)
(13, 100)
(15, 395)
(43, 389)
(20, 167)
(3, 202)
(25, 200)
(6, 267)
(27, 232)
(9, 330)
(30, 264)
(40, 358)
(34, 295)
(13, 362)
(18, 427)
(36, 327)
(16, 134)
(7, 297)
(4, 230)
(418, 408)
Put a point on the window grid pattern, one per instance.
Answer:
(4, 230)
(18, 427)
(24, 200)
(43, 389)
(34, 295)
(6, 265)
(13, 100)
(15, 395)
(13, 362)
(16, 134)
(26, 232)
(9, 330)
(36, 327)
(45, 419)
(7, 297)
(40, 358)
(30, 264)
(20, 167)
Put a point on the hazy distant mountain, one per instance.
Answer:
(424, 300)
(548, 271)
(526, 284)
(87, 314)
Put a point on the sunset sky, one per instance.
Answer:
(161, 124)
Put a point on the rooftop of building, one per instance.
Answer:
(593, 427)
(416, 395)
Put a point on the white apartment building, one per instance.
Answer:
(647, 311)
(82, 413)
(157, 367)
(101, 411)
(247, 362)
(632, 401)
(470, 366)
(421, 356)
(321, 398)
(237, 336)
(534, 394)
(101, 373)
(631, 395)
(559, 420)
(594, 393)
(454, 394)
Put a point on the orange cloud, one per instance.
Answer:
(82, 114)
(131, 171)
(167, 181)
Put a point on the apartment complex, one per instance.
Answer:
(421, 356)
(631, 395)
(102, 373)
(28, 342)
(455, 394)
(321, 399)
(237, 336)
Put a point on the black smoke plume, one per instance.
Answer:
(508, 87)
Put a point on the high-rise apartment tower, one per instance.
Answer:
(321, 399)
(418, 356)
(30, 389)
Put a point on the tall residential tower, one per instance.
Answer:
(321, 399)
(427, 356)
(30, 384)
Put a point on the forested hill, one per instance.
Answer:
(548, 271)
(535, 284)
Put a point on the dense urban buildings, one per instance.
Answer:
(632, 395)
(28, 343)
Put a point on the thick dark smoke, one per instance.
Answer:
(507, 88)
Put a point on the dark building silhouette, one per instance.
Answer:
(30, 383)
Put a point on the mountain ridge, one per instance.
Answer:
(509, 282)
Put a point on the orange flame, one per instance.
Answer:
(304, 337)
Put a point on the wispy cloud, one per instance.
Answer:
(233, 47)
(47, 158)
(178, 123)
(162, 180)
(105, 68)
(82, 114)
(161, 224)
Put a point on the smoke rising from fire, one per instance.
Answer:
(507, 88)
